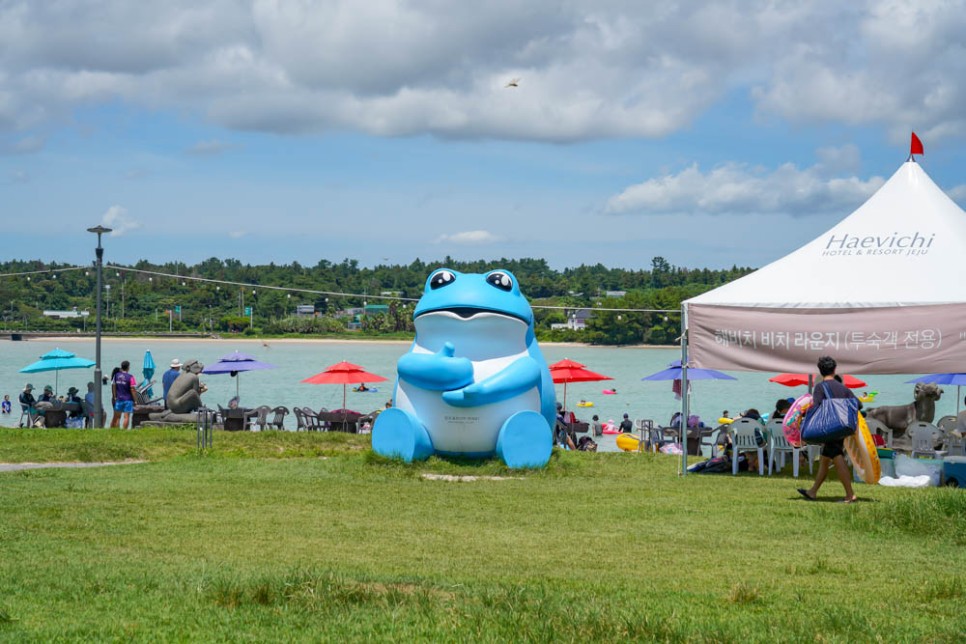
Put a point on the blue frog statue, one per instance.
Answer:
(474, 382)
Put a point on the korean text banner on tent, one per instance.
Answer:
(907, 339)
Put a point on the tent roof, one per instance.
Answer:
(903, 247)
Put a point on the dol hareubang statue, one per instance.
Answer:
(474, 382)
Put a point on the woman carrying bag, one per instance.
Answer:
(833, 450)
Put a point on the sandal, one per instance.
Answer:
(854, 499)
(805, 493)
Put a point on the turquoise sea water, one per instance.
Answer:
(298, 360)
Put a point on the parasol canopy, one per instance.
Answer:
(147, 368)
(343, 373)
(566, 371)
(55, 361)
(235, 363)
(958, 379)
(673, 372)
(798, 379)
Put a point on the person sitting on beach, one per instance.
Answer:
(754, 414)
(781, 408)
(48, 395)
(27, 400)
(77, 408)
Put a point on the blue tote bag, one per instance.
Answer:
(833, 419)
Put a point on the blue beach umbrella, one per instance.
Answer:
(236, 362)
(55, 361)
(147, 368)
(958, 379)
(673, 372)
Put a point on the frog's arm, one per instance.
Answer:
(436, 371)
(521, 376)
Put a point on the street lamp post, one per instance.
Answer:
(99, 262)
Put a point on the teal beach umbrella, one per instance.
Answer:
(55, 361)
(147, 368)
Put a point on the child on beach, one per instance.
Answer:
(5, 406)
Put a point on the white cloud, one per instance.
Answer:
(209, 148)
(119, 221)
(588, 69)
(237, 234)
(469, 238)
(958, 194)
(735, 188)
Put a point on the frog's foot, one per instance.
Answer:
(524, 440)
(399, 434)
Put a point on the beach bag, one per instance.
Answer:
(832, 420)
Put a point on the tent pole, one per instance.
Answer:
(683, 431)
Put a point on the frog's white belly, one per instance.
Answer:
(492, 343)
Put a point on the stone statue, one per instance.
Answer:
(184, 396)
(899, 417)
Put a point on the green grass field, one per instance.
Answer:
(285, 536)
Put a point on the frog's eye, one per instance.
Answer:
(500, 280)
(441, 279)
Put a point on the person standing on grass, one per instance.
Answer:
(123, 386)
(833, 451)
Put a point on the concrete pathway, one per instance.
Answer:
(16, 467)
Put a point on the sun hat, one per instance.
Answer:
(175, 364)
(48, 388)
(28, 387)
(72, 390)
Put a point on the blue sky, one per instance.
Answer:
(709, 133)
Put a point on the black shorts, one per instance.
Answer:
(833, 449)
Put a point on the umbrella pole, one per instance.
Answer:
(237, 376)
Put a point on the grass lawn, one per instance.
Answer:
(285, 536)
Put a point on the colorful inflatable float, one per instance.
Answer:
(863, 454)
(629, 442)
(792, 424)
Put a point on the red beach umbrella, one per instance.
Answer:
(343, 373)
(570, 371)
(798, 379)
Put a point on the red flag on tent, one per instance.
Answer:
(915, 147)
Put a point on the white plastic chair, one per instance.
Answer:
(947, 423)
(925, 436)
(878, 427)
(778, 446)
(743, 439)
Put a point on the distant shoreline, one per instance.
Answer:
(271, 341)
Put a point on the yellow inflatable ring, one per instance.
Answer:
(725, 421)
(629, 442)
(862, 453)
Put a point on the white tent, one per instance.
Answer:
(884, 291)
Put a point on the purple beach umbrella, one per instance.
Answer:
(234, 363)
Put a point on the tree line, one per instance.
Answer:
(150, 297)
